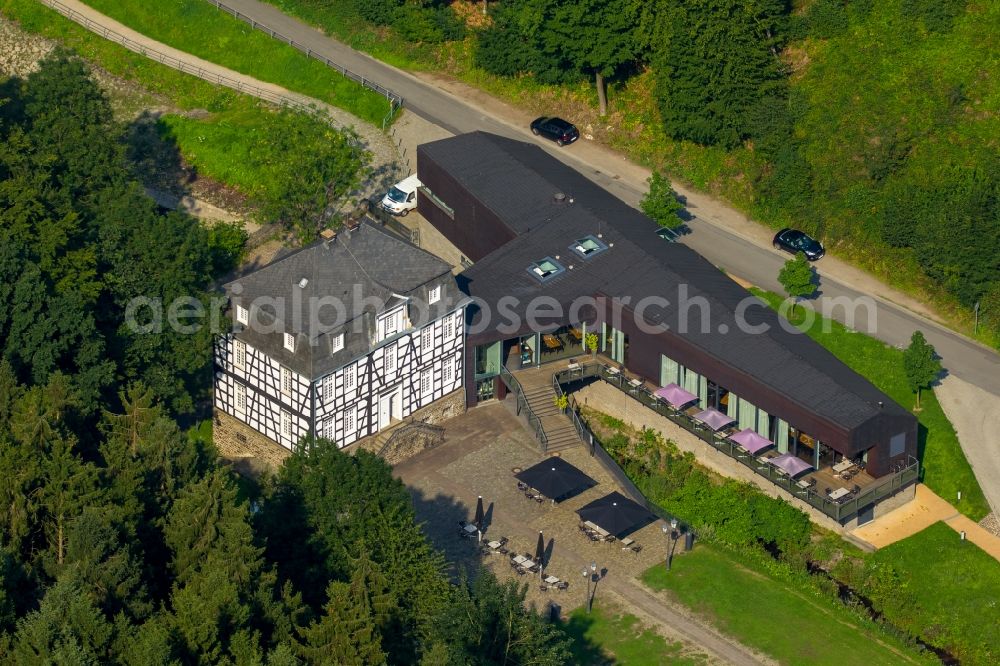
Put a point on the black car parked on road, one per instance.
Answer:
(795, 241)
(557, 129)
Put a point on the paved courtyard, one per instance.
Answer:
(481, 450)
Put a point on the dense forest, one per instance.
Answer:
(873, 124)
(122, 539)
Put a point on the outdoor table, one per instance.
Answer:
(843, 466)
(614, 371)
(627, 541)
(551, 580)
(494, 544)
(552, 342)
(839, 492)
(597, 529)
(802, 483)
(470, 528)
(573, 366)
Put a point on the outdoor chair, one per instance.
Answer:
(543, 587)
(503, 540)
(828, 491)
(520, 571)
(503, 551)
(521, 485)
(856, 489)
(637, 549)
(562, 585)
(610, 538)
(462, 523)
(539, 498)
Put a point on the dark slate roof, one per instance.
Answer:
(637, 265)
(367, 270)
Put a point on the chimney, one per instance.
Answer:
(329, 236)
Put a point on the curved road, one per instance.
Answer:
(746, 253)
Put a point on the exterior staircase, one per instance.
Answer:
(559, 430)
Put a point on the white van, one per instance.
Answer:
(402, 198)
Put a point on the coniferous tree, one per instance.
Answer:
(346, 634)
(67, 628)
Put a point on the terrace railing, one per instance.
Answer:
(523, 407)
(395, 100)
(840, 510)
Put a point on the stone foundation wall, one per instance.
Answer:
(609, 400)
(247, 449)
(435, 413)
(251, 452)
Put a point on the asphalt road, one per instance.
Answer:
(709, 235)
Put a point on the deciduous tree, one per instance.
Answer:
(921, 364)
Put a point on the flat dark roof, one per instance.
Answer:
(518, 182)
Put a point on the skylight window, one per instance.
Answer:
(588, 246)
(546, 269)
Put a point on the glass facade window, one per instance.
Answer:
(488, 360)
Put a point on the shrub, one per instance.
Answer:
(431, 25)
(379, 12)
(936, 15)
(827, 18)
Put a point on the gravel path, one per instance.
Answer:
(975, 413)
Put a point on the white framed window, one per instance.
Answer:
(425, 383)
(447, 371)
(240, 354)
(286, 424)
(434, 295)
(329, 386)
(389, 362)
(389, 324)
(349, 378)
(240, 398)
(290, 342)
(336, 343)
(349, 423)
(242, 315)
(286, 381)
(426, 337)
(328, 430)
(448, 328)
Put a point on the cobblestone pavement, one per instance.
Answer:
(481, 450)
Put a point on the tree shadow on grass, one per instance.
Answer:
(584, 650)
(154, 157)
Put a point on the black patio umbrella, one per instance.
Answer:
(555, 478)
(540, 548)
(480, 515)
(615, 514)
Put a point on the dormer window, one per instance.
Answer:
(389, 324)
(336, 343)
(242, 315)
(290, 342)
(434, 295)
(546, 269)
(588, 246)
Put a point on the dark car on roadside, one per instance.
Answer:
(795, 241)
(558, 130)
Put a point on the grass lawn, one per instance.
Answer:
(944, 467)
(955, 591)
(609, 636)
(767, 614)
(229, 144)
(196, 27)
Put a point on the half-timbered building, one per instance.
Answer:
(340, 340)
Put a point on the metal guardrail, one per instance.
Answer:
(840, 511)
(514, 387)
(395, 100)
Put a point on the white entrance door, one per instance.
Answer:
(390, 407)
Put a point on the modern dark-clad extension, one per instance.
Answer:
(537, 229)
